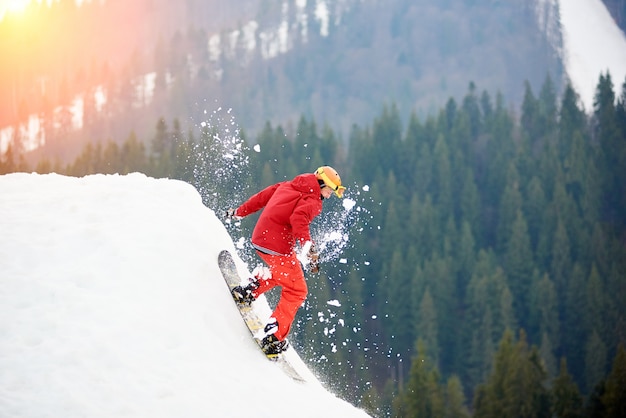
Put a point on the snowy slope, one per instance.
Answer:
(112, 304)
(593, 44)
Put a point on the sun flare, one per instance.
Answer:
(13, 7)
(16, 6)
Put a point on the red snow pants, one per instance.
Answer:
(287, 273)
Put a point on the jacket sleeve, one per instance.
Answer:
(301, 218)
(257, 202)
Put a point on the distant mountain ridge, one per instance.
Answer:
(336, 61)
(339, 61)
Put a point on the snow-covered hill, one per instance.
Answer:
(593, 44)
(112, 305)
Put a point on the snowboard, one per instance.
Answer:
(249, 315)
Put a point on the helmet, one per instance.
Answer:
(330, 178)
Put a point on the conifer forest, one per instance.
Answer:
(486, 273)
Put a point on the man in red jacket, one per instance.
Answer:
(279, 237)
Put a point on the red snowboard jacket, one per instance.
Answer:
(290, 207)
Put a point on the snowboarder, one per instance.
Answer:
(282, 239)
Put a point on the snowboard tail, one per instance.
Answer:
(250, 317)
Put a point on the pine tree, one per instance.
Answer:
(400, 313)
(440, 281)
(572, 120)
(500, 150)
(612, 147)
(566, 399)
(596, 314)
(387, 135)
(470, 202)
(530, 119)
(133, 155)
(425, 230)
(545, 320)
(534, 205)
(111, 158)
(548, 107)
(546, 353)
(392, 231)
(427, 326)
(442, 182)
(561, 262)
(422, 396)
(516, 386)
(486, 318)
(454, 399)
(407, 160)
(574, 314)
(614, 397)
(518, 266)
(480, 351)
(510, 204)
(465, 257)
(160, 141)
(423, 170)
(361, 148)
(582, 183)
(489, 399)
(472, 109)
(595, 360)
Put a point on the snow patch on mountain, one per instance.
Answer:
(592, 45)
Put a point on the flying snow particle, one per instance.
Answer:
(334, 302)
(366, 188)
(348, 204)
(257, 148)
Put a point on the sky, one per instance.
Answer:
(112, 304)
(593, 44)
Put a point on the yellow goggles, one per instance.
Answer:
(329, 183)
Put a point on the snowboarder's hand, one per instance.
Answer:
(313, 258)
(230, 214)
(308, 256)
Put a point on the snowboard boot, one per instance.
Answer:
(272, 346)
(244, 295)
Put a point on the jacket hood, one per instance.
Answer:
(306, 184)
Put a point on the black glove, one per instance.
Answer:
(314, 258)
(230, 214)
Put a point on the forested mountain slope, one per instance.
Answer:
(338, 61)
(486, 259)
